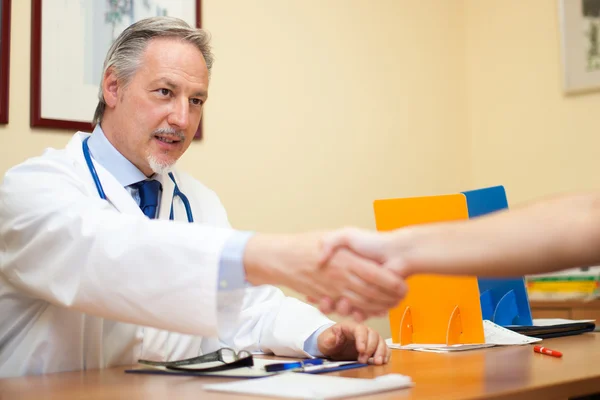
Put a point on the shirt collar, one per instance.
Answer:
(114, 162)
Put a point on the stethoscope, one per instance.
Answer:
(176, 191)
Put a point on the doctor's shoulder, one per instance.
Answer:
(42, 171)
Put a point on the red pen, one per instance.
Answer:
(547, 351)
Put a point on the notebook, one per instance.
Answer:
(547, 328)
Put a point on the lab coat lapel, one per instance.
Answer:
(167, 197)
(116, 194)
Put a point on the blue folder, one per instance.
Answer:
(504, 301)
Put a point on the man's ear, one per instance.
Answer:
(110, 88)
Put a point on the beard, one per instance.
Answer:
(159, 166)
(156, 165)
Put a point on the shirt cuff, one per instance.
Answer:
(232, 275)
(311, 344)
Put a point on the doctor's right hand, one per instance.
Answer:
(296, 261)
(389, 249)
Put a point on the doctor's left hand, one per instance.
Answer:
(351, 341)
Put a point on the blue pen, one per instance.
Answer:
(293, 365)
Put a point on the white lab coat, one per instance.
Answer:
(83, 279)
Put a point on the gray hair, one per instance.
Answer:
(125, 54)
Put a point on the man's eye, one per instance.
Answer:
(164, 92)
(196, 102)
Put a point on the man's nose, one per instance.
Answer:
(180, 114)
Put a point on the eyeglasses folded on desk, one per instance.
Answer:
(226, 362)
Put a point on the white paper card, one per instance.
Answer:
(306, 386)
(559, 321)
(495, 334)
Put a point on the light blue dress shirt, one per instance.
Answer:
(231, 267)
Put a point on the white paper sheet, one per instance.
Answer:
(559, 321)
(307, 386)
(495, 335)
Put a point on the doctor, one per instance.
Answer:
(100, 263)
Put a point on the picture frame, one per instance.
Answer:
(4, 59)
(579, 23)
(69, 41)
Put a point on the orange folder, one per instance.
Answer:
(437, 309)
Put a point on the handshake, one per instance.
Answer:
(361, 273)
(350, 271)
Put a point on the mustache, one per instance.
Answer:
(170, 132)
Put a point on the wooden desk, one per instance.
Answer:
(496, 373)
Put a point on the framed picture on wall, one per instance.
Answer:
(69, 40)
(4, 58)
(580, 44)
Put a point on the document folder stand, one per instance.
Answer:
(437, 309)
(406, 327)
(504, 301)
(453, 333)
(451, 309)
(507, 312)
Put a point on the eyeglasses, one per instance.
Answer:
(221, 360)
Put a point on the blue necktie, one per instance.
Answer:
(149, 191)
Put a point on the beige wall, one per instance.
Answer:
(525, 133)
(319, 107)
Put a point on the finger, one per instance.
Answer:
(381, 280)
(358, 316)
(326, 305)
(368, 306)
(313, 289)
(375, 298)
(358, 333)
(334, 343)
(372, 342)
(378, 281)
(380, 355)
(379, 314)
(343, 307)
(312, 300)
(328, 339)
(331, 338)
(362, 277)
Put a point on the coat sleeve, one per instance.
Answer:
(63, 245)
(263, 319)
